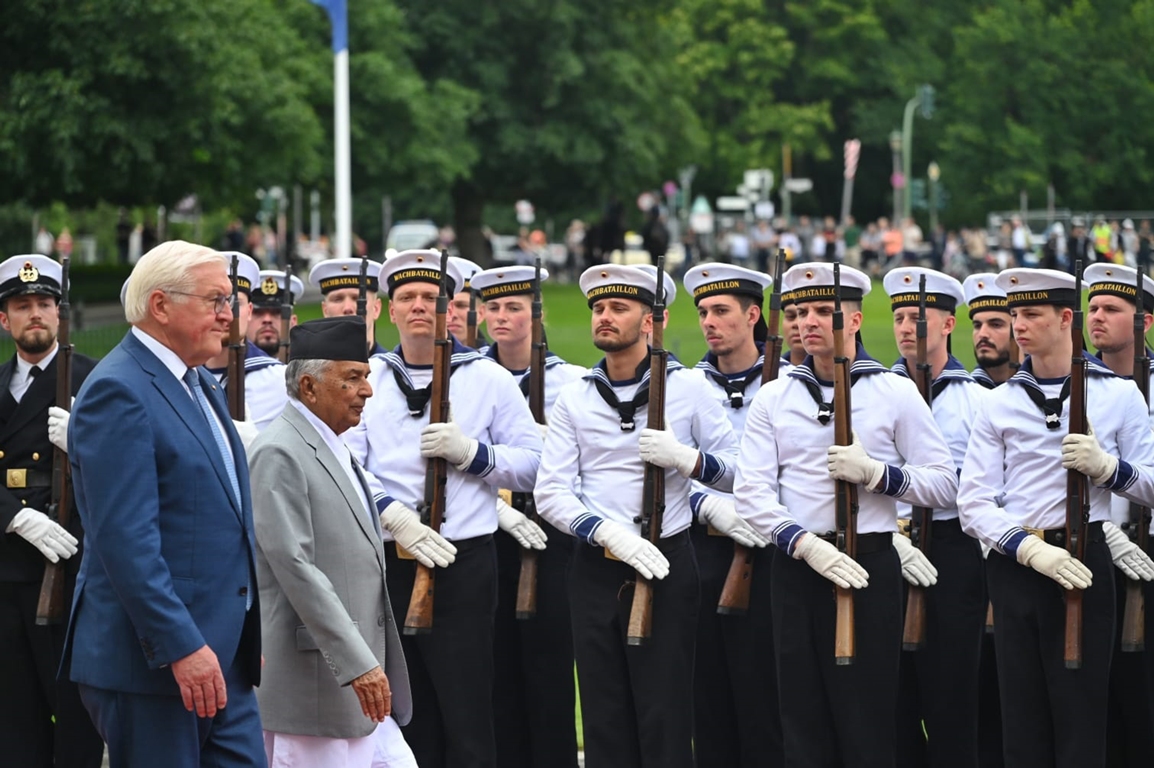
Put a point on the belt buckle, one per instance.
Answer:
(904, 526)
(17, 478)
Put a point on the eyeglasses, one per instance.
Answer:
(218, 302)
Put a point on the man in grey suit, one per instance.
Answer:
(335, 685)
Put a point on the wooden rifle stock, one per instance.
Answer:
(921, 518)
(526, 606)
(236, 350)
(1138, 524)
(653, 494)
(734, 600)
(286, 314)
(50, 607)
(1077, 488)
(846, 499)
(419, 617)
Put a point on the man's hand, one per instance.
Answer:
(916, 567)
(718, 511)
(527, 533)
(58, 427)
(852, 464)
(201, 682)
(376, 697)
(1085, 454)
(661, 447)
(1054, 562)
(1127, 556)
(447, 441)
(836, 566)
(44, 533)
(632, 550)
(422, 542)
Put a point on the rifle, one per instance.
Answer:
(734, 600)
(50, 606)
(419, 618)
(653, 493)
(846, 503)
(526, 607)
(1138, 525)
(471, 317)
(921, 518)
(286, 314)
(1077, 489)
(236, 351)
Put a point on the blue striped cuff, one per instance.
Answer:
(895, 482)
(383, 501)
(585, 526)
(695, 500)
(484, 462)
(712, 469)
(1124, 477)
(1011, 540)
(786, 536)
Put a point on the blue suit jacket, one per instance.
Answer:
(168, 552)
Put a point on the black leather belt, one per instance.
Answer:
(1057, 536)
(867, 543)
(27, 478)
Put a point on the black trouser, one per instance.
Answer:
(31, 694)
(451, 668)
(989, 707)
(834, 716)
(735, 709)
(636, 701)
(939, 682)
(1052, 716)
(1149, 654)
(534, 697)
(1130, 716)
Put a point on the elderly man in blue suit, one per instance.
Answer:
(164, 638)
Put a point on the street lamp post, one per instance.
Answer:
(897, 179)
(924, 100)
(933, 173)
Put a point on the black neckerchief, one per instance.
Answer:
(1051, 407)
(953, 371)
(627, 411)
(418, 399)
(863, 365)
(734, 388)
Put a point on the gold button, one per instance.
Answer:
(24, 502)
(1, 454)
(36, 457)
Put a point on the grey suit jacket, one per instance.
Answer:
(325, 612)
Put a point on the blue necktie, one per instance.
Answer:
(192, 379)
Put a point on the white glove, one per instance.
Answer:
(58, 427)
(44, 533)
(1085, 454)
(527, 533)
(661, 447)
(1127, 555)
(718, 511)
(836, 566)
(422, 542)
(447, 441)
(852, 464)
(632, 550)
(544, 428)
(1054, 562)
(916, 567)
(247, 432)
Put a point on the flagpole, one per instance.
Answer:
(338, 15)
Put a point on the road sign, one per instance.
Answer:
(758, 180)
(525, 212)
(701, 223)
(852, 153)
(798, 186)
(732, 203)
(764, 210)
(646, 201)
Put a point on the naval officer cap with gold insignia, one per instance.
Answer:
(493, 284)
(337, 274)
(670, 283)
(942, 291)
(1026, 287)
(419, 266)
(1118, 280)
(247, 270)
(983, 294)
(31, 273)
(618, 281)
(813, 281)
(270, 291)
(466, 268)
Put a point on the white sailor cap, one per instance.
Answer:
(419, 266)
(498, 283)
(270, 291)
(707, 280)
(335, 274)
(904, 284)
(1025, 287)
(466, 269)
(670, 284)
(247, 270)
(786, 288)
(1118, 280)
(813, 281)
(618, 281)
(983, 294)
(30, 273)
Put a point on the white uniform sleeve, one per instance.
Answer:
(555, 492)
(512, 457)
(1134, 478)
(755, 487)
(982, 484)
(928, 478)
(715, 439)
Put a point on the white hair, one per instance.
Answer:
(167, 267)
(298, 368)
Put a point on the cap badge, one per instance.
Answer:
(420, 259)
(268, 286)
(981, 284)
(809, 275)
(907, 279)
(29, 273)
(344, 267)
(605, 274)
(1013, 280)
(704, 273)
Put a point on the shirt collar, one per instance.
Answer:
(332, 440)
(166, 356)
(23, 366)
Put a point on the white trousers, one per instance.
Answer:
(383, 748)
